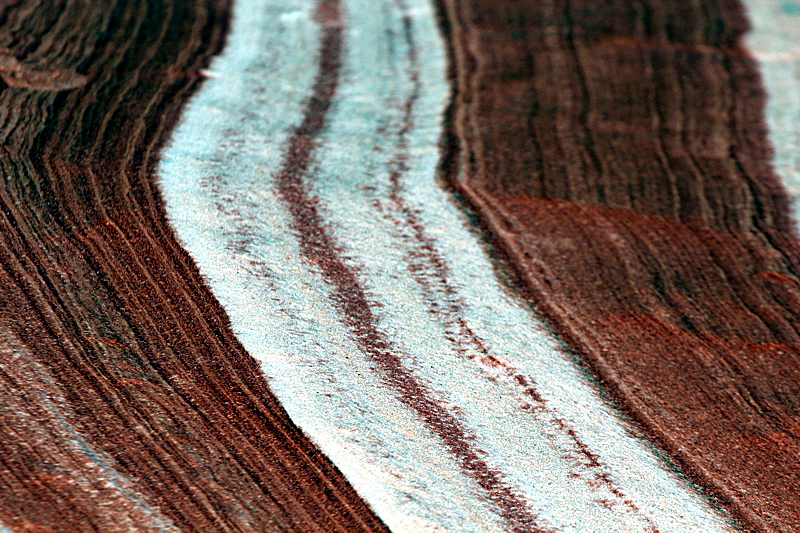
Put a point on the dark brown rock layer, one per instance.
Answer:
(126, 402)
(616, 154)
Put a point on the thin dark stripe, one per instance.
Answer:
(430, 271)
(319, 247)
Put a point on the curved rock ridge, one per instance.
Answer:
(126, 402)
(303, 181)
(617, 157)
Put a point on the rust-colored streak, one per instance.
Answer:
(128, 404)
(616, 154)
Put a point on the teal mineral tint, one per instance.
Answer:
(375, 165)
(774, 40)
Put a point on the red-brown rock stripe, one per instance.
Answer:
(126, 371)
(618, 158)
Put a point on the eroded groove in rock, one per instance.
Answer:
(618, 156)
(129, 404)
